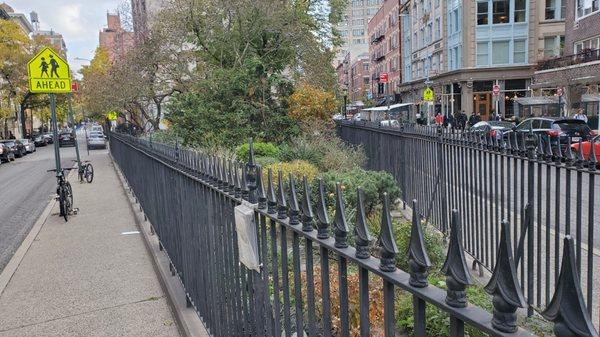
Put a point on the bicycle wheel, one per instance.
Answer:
(63, 202)
(69, 195)
(89, 173)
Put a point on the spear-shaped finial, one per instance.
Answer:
(260, 189)
(567, 308)
(236, 181)
(244, 183)
(361, 231)
(548, 148)
(580, 160)
(339, 221)
(504, 285)
(388, 249)
(322, 217)
(294, 210)
(307, 212)
(455, 267)
(418, 260)
(281, 200)
(250, 152)
(271, 197)
(568, 153)
(231, 178)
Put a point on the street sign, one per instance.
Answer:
(383, 77)
(428, 94)
(112, 116)
(559, 91)
(75, 86)
(49, 73)
(496, 90)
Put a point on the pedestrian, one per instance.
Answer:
(449, 121)
(581, 116)
(439, 119)
(474, 119)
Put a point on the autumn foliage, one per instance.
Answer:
(309, 103)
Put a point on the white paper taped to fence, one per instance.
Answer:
(246, 236)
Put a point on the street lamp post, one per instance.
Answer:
(345, 103)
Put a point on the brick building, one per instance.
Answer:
(114, 39)
(384, 50)
(359, 80)
(578, 71)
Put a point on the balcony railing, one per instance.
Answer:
(565, 61)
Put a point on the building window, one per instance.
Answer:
(520, 10)
(588, 44)
(519, 51)
(456, 24)
(482, 12)
(555, 9)
(586, 7)
(438, 28)
(553, 46)
(500, 11)
(482, 53)
(500, 52)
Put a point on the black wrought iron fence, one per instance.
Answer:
(189, 198)
(544, 188)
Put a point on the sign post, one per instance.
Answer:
(49, 74)
(496, 92)
(384, 78)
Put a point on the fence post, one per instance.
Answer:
(531, 145)
(443, 192)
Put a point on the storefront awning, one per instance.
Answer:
(587, 98)
(385, 108)
(541, 100)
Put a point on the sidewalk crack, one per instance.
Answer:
(149, 299)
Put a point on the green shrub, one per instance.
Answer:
(260, 149)
(322, 148)
(373, 183)
(266, 161)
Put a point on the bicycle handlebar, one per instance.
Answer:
(64, 169)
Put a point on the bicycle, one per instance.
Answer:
(86, 172)
(64, 193)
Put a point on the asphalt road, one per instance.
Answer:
(25, 190)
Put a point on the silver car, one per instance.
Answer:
(96, 140)
(29, 145)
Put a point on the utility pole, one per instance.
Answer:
(72, 121)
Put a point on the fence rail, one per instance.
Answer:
(189, 198)
(544, 190)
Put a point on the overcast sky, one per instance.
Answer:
(79, 21)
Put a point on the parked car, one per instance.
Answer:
(17, 148)
(66, 139)
(6, 154)
(390, 123)
(97, 128)
(49, 138)
(29, 145)
(39, 141)
(587, 147)
(493, 129)
(558, 129)
(96, 140)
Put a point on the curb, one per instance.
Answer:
(19, 255)
(188, 321)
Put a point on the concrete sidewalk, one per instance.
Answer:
(90, 276)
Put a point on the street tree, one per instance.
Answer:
(309, 103)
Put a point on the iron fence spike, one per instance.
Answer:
(548, 148)
(281, 200)
(260, 189)
(504, 285)
(271, 197)
(340, 226)
(567, 308)
(236, 181)
(307, 211)
(580, 160)
(540, 146)
(361, 230)
(509, 146)
(455, 267)
(388, 248)
(250, 152)
(568, 153)
(322, 217)
(592, 156)
(244, 183)
(418, 259)
(293, 209)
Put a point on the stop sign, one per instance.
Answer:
(496, 90)
(383, 77)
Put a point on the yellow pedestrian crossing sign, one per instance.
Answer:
(428, 95)
(49, 73)
(111, 115)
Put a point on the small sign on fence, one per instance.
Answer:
(247, 239)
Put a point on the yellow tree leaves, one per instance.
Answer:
(309, 103)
